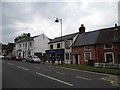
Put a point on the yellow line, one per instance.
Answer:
(60, 73)
(83, 78)
(87, 71)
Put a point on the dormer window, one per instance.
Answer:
(108, 46)
(86, 48)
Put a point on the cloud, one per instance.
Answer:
(39, 17)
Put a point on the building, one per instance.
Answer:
(101, 46)
(60, 48)
(32, 46)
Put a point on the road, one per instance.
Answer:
(21, 74)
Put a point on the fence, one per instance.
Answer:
(107, 65)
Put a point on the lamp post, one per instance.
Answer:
(60, 20)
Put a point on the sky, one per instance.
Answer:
(38, 17)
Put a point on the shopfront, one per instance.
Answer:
(55, 55)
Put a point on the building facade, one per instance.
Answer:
(60, 48)
(101, 46)
(32, 46)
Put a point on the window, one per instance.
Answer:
(67, 56)
(30, 44)
(51, 46)
(109, 57)
(87, 47)
(67, 43)
(25, 44)
(19, 45)
(58, 45)
(87, 56)
(108, 46)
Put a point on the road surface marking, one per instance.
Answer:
(22, 68)
(10, 63)
(86, 71)
(61, 73)
(83, 78)
(54, 79)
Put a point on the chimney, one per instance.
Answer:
(116, 27)
(82, 29)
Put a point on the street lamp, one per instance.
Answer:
(60, 20)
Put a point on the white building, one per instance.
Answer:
(61, 51)
(32, 46)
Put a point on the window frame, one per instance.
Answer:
(86, 49)
(85, 55)
(108, 47)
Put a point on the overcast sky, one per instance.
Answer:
(37, 17)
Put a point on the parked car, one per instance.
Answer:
(2, 57)
(33, 59)
(16, 58)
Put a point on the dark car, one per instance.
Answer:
(16, 58)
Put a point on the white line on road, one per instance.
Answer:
(54, 79)
(22, 68)
(10, 63)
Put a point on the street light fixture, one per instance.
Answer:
(60, 20)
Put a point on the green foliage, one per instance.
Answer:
(24, 35)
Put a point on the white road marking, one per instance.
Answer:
(10, 63)
(22, 68)
(54, 79)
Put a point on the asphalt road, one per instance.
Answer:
(21, 74)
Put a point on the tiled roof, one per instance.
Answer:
(66, 37)
(107, 35)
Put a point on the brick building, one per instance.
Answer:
(101, 46)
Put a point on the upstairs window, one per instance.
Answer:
(67, 44)
(86, 48)
(58, 45)
(51, 46)
(108, 46)
(30, 44)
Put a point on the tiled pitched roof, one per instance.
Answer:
(66, 37)
(107, 35)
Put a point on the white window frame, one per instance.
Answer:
(85, 55)
(109, 53)
(86, 48)
(108, 48)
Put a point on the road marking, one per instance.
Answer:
(10, 63)
(83, 78)
(54, 79)
(22, 68)
(61, 73)
(86, 71)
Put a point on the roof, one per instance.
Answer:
(66, 37)
(106, 35)
(27, 39)
(86, 38)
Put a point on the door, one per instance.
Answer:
(76, 59)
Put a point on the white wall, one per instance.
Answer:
(41, 43)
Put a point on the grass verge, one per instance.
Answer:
(89, 68)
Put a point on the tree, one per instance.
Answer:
(24, 35)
